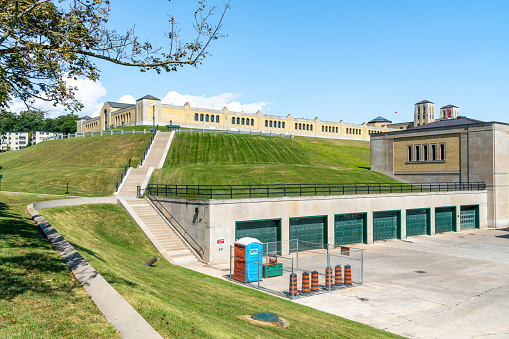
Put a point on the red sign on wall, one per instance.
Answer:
(220, 241)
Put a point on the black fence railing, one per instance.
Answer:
(148, 146)
(295, 190)
(124, 172)
(177, 226)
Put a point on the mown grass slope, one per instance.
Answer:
(210, 158)
(38, 296)
(90, 165)
(180, 302)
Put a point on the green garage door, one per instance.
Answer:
(311, 232)
(417, 222)
(348, 229)
(385, 225)
(444, 219)
(468, 217)
(263, 230)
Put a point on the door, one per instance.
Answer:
(385, 225)
(444, 219)
(265, 231)
(468, 217)
(417, 222)
(311, 232)
(348, 229)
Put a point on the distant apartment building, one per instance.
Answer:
(14, 140)
(39, 136)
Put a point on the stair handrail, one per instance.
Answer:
(181, 230)
(122, 176)
(148, 147)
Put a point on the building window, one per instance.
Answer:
(217, 119)
(295, 126)
(433, 152)
(417, 152)
(442, 151)
(252, 122)
(322, 128)
(211, 118)
(330, 129)
(409, 153)
(310, 127)
(243, 121)
(266, 123)
(238, 121)
(270, 123)
(207, 118)
(300, 126)
(336, 129)
(283, 125)
(233, 120)
(279, 124)
(201, 117)
(425, 152)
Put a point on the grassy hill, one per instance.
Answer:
(180, 302)
(210, 158)
(90, 165)
(38, 297)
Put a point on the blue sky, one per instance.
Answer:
(349, 60)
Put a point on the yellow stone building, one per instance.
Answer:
(150, 110)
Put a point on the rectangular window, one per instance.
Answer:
(433, 152)
(409, 153)
(442, 151)
(425, 152)
(417, 152)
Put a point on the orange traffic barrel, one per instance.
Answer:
(305, 282)
(314, 281)
(328, 276)
(338, 277)
(293, 284)
(348, 275)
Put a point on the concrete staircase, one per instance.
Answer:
(164, 237)
(155, 159)
(160, 233)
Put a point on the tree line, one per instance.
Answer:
(34, 120)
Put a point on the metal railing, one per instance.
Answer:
(122, 176)
(227, 131)
(148, 147)
(296, 190)
(177, 226)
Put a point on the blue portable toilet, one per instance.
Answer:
(248, 259)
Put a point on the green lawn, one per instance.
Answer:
(236, 159)
(90, 165)
(180, 302)
(38, 298)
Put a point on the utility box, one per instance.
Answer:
(248, 260)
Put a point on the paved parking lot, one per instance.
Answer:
(453, 285)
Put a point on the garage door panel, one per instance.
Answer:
(444, 219)
(309, 232)
(385, 225)
(265, 230)
(348, 229)
(468, 217)
(416, 222)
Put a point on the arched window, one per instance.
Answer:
(201, 117)
(330, 129)
(270, 123)
(212, 118)
(311, 128)
(322, 128)
(266, 123)
(336, 130)
(296, 126)
(243, 121)
(279, 124)
(252, 122)
(307, 127)
(233, 120)
(238, 121)
(283, 124)
(217, 119)
(300, 126)
(207, 118)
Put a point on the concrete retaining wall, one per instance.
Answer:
(211, 220)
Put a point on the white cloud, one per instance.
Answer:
(88, 93)
(127, 99)
(214, 102)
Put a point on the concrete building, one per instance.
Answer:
(14, 140)
(458, 150)
(39, 136)
(149, 110)
(424, 113)
(449, 112)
